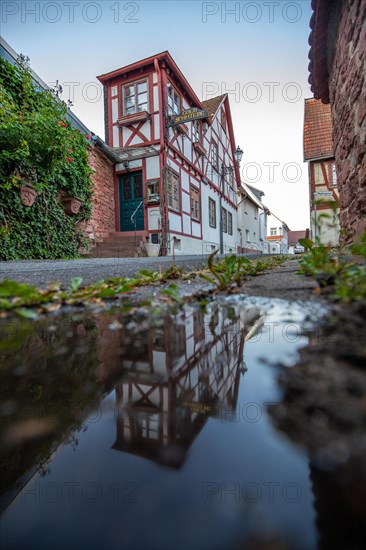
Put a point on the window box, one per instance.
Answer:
(199, 148)
(152, 194)
(28, 194)
(71, 204)
(154, 198)
(133, 118)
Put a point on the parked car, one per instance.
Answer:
(298, 249)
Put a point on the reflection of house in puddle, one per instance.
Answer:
(190, 370)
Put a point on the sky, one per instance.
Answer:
(256, 51)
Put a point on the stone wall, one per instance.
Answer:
(103, 212)
(347, 86)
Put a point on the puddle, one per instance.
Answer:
(138, 430)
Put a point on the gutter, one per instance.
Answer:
(162, 150)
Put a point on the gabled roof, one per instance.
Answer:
(295, 236)
(249, 193)
(211, 105)
(258, 192)
(160, 57)
(318, 127)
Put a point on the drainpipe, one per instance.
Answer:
(162, 144)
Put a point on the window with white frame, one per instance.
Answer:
(196, 131)
(273, 231)
(224, 219)
(215, 155)
(135, 97)
(211, 213)
(173, 101)
(195, 204)
(230, 223)
(173, 187)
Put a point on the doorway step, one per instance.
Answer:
(121, 245)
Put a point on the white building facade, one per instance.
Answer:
(252, 220)
(277, 237)
(176, 183)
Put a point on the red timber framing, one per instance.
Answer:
(147, 127)
(326, 167)
(151, 403)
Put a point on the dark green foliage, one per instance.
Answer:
(331, 266)
(39, 148)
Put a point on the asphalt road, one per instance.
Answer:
(42, 272)
(282, 282)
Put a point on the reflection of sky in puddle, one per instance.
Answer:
(180, 451)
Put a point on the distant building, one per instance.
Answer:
(338, 76)
(318, 152)
(294, 238)
(277, 238)
(252, 220)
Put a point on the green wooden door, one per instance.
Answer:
(130, 196)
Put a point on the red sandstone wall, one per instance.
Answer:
(347, 87)
(103, 213)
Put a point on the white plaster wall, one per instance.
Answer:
(185, 203)
(155, 106)
(196, 229)
(184, 178)
(329, 227)
(157, 126)
(175, 222)
(153, 218)
(115, 136)
(152, 168)
(186, 224)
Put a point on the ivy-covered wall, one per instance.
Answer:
(42, 153)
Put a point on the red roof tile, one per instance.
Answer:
(211, 105)
(295, 236)
(318, 142)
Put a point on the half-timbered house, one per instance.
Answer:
(176, 179)
(319, 153)
(180, 376)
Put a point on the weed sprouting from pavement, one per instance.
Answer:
(28, 301)
(331, 266)
(234, 269)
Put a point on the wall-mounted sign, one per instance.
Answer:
(323, 194)
(186, 116)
